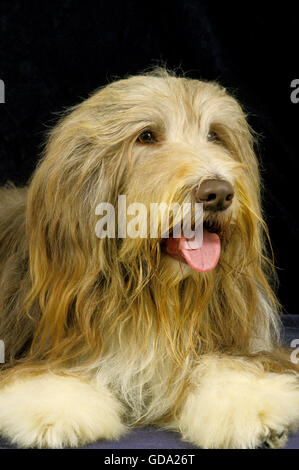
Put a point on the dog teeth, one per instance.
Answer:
(194, 243)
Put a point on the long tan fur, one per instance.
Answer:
(119, 313)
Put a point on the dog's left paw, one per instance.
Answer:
(234, 404)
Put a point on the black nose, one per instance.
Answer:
(215, 195)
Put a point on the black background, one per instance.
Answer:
(53, 54)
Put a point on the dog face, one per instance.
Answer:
(190, 141)
(173, 140)
(155, 138)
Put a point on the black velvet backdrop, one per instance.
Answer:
(53, 54)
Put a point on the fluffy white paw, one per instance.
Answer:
(234, 404)
(58, 411)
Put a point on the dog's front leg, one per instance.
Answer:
(235, 403)
(50, 410)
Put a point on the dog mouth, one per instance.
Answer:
(201, 253)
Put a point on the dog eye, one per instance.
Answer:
(213, 137)
(147, 137)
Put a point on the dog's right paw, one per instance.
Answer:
(274, 440)
(52, 411)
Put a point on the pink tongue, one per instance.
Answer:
(201, 258)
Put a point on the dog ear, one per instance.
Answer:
(65, 261)
(243, 143)
(240, 140)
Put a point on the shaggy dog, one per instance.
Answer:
(102, 334)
